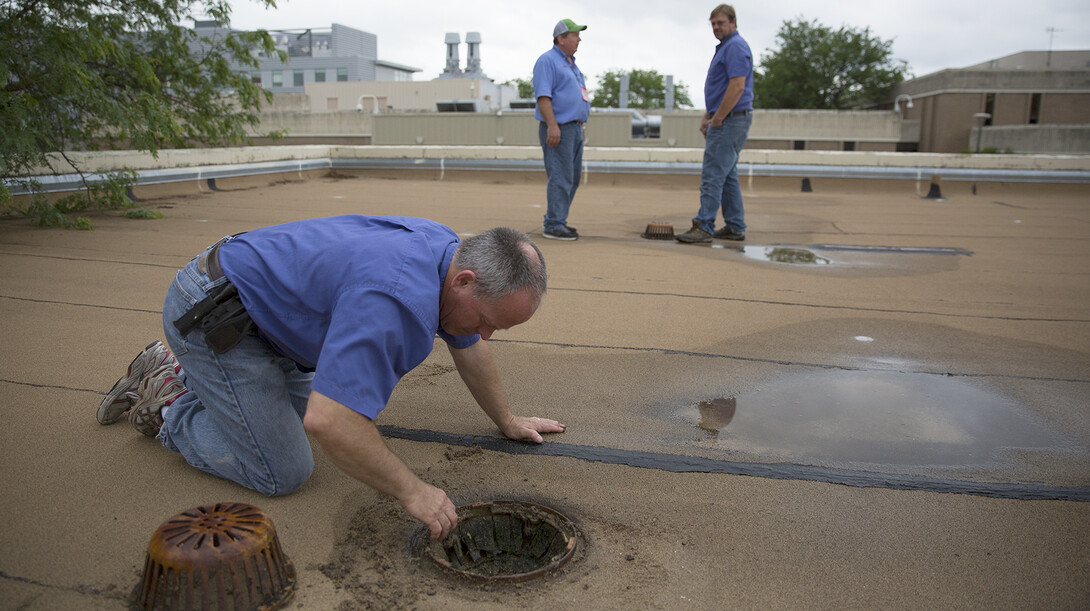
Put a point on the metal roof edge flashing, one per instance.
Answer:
(72, 182)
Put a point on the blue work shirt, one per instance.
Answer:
(560, 80)
(356, 298)
(732, 59)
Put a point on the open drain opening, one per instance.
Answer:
(505, 541)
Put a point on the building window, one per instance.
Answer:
(800, 145)
(255, 77)
(849, 145)
(297, 78)
(989, 107)
(319, 76)
(1034, 109)
(342, 75)
(277, 79)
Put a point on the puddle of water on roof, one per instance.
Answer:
(872, 417)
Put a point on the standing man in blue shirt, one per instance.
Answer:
(728, 95)
(563, 107)
(306, 327)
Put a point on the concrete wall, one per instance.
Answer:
(821, 130)
(345, 123)
(1046, 81)
(945, 104)
(407, 96)
(1055, 139)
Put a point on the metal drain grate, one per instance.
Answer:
(505, 541)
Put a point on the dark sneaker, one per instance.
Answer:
(121, 397)
(726, 233)
(562, 233)
(157, 390)
(696, 235)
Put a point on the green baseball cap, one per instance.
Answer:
(567, 25)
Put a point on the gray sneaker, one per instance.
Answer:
(696, 235)
(157, 390)
(121, 397)
(725, 233)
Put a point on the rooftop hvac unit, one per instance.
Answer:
(461, 106)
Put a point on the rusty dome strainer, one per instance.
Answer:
(505, 541)
(658, 231)
(216, 557)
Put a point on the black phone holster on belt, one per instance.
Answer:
(220, 315)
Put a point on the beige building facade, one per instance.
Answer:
(1030, 102)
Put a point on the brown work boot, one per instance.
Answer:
(696, 235)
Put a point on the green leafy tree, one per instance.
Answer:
(646, 89)
(92, 74)
(525, 87)
(816, 66)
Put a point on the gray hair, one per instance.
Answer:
(502, 267)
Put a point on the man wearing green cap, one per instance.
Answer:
(563, 107)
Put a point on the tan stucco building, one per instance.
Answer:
(1035, 102)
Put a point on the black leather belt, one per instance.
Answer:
(209, 261)
(739, 113)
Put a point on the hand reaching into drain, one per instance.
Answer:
(354, 444)
(530, 429)
(431, 506)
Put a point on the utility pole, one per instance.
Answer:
(1051, 33)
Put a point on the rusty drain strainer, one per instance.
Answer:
(216, 557)
(658, 231)
(505, 541)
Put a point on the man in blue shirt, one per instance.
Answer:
(728, 95)
(563, 107)
(336, 311)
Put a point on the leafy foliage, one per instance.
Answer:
(93, 74)
(646, 89)
(525, 87)
(818, 67)
(110, 191)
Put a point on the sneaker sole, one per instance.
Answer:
(146, 413)
(114, 406)
(556, 237)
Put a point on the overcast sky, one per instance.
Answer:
(674, 37)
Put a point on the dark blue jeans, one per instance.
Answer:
(564, 168)
(719, 187)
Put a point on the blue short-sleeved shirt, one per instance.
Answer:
(732, 59)
(561, 81)
(354, 297)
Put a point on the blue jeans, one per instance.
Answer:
(564, 168)
(242, 418)
(719, 186)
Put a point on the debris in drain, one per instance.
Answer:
(505, 541)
